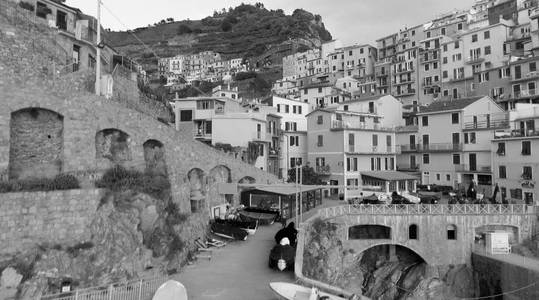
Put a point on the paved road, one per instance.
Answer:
(238, 271)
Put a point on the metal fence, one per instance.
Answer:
(142, 289)
(428, 209)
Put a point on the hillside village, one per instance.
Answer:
(111, 180)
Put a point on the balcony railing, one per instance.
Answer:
(474, 59)
(434, 147)
(529, 76)
(408, 168)
(472, 168)
(404, 81)
(273, 152)
(431, 83)
(515, 133)
(493, 124)
(524, 94)
(340, 124)
(382, 74)
(323, 169)
(406, 92)
(404, 70)
(429, 59)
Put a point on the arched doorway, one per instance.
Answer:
(36, 143)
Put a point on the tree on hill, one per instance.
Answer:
(184, 29)
(226, 26)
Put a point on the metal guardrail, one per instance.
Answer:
(428, 209)
(142, 289)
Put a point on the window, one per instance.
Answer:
(412, 232)
(374, 140)
(516, 194)
(320, 161)
(346, 108)
(533, 67)
(61, 20)
(278, 107)
(445, 48)
(294, 109)
(287, 108)
(487, 50)
(526, 148)
(427, 67)
(457, 45)
(527, 173)
(444, 60)
(320, 141)
(438, 176)
(455, 118)
(469, 138)
(388, 141)
(425, 121)
(320, 120)
(447, 177)
(528, 198)
(442, 31)
(320, 90)
(502, 172)
(486, 35)
(426, 159)
(299, 109)
(186, 115)
(459, 26)
(456, 159)
(474, 38)
(305, 92)
(451, 232)
(501, 149)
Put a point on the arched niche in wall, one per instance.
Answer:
(112, 144)
(219, 174)
(154, 156)
(197, 192)
(36, 143)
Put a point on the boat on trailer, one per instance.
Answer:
(290, 291)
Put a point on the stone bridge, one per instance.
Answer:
(441, 234)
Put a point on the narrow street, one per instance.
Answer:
(240, 269)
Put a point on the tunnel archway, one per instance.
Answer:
(154, 156)
(112, 144)
(197, 191)
(219, 174)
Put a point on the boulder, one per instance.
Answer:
(10, 278)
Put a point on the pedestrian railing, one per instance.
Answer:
(142, 289)
(428, 209)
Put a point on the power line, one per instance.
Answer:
(129, 31)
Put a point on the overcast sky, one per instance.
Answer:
(351, 21)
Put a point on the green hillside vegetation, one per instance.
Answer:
(245, 31)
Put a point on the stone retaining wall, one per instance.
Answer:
(59, 217)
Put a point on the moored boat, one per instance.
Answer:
(228, 231)
(290, 291)
(261, 214)
(249, 226)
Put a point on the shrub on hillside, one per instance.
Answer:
(60, 182)
(226, 26)
(184, 29)
(27, 6)
(244, 75)
(119, 179)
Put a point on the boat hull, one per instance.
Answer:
(290, 291)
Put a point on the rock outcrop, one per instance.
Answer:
(372, 274)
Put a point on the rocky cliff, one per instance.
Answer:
(248, 31)
(372, 274)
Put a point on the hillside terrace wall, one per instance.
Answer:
(59, 217)
(23, 85)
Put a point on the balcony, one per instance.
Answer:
(428, 84)
(529, 76)
(473, 168)
(408, 168)
(439, 147)
(429, 59)
(516, 133)
(355, 124)
(524, 94)
(495, 121)
(323, 169)
(274, 152)
(363, 149)
(410, 148)
(202, 135)
(474, 59)
(382, 74)
(404, 81)
(404, 70)
(406, 92)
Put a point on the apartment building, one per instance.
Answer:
(293, 138)
(353, 137)
(323, 94)
(514, 156)
(453, 141)
(408, 159)
(524, 82)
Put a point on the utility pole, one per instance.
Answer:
(98, 51)
(300, 194)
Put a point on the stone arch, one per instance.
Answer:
(514, 231)
(154, 156)
(247, 179)
(369, 232)
(197, 193)
(219, 174)
(112, 144)
(420, 254)
(36, 143)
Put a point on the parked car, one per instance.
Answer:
(429, 198)
(398, 199)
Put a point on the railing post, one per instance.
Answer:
(111, 288)
(76, 294)
(140, 290)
